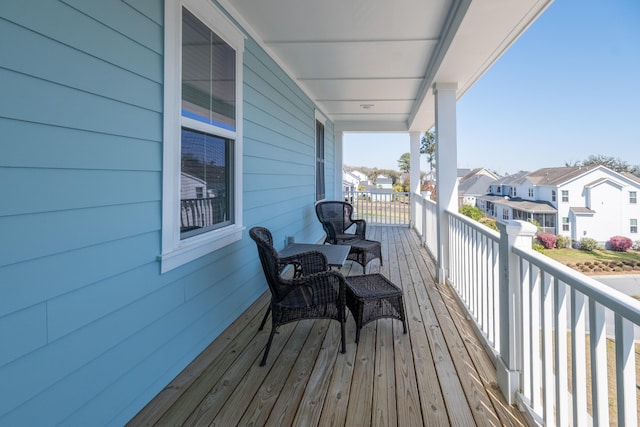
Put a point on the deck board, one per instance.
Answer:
(436, 374)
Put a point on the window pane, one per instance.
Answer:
(205, 183)
(208, 75)
(320, 185)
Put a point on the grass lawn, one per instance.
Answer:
(598, 261)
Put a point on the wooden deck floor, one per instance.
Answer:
(436, 374)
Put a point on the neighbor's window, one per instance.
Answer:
(633, 197)
(633, 225)
(565, 195)
(320, 184)
(565, 223)
(531, 192)
(505, 214)
(202, 208)
(553, 195)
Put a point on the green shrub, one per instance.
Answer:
(473, 212)
(538, 247)
(563, 242)
(489, 222)
(588, 244)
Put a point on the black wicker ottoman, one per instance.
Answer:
(363, 250)
(371, 297)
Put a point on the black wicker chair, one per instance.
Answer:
(314, 292)
(337, 220)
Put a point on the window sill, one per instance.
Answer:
(196, 247)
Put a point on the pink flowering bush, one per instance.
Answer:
(547, 240)
(620, 243)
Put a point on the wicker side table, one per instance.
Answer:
(371, 297)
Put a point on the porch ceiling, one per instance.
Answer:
(370, 64)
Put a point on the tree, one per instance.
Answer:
(428, 147)
(609, 162)
(404, 162)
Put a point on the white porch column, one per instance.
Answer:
(414, 171)
(337, 147)
(509, 361)
(446, 167)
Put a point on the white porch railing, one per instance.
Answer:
(381, 208)
(425, 222)
(519, 299)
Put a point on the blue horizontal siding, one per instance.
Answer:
(39, 235)
(44, 146)
(73, 28)
(42, 279)
(26, 330)
(72, 108)
(73, 68)
(117, 15)
(51, 190)
(67, 371)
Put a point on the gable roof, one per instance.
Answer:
(476, 184)
(556, 176)
(521, 204)
(478, 171)
(603, 180)
(631, 176)
(513, 179)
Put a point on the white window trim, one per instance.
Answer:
(176, 252)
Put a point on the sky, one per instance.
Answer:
(567, 89)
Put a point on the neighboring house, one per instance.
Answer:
(479, 172)
(353, 181)
(362, 177)
(350, 181)
(192, 187)
(576, 202)
(461, 172)
(474, 184)
(507, 186)
(384, 182)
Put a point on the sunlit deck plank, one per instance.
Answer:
(436, 374)
(412, 397)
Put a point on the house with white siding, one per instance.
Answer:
(576, 202)
(104, 296)
(474, 183)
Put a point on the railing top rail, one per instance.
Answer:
(618, 302)
(492, 234)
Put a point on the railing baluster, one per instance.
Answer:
(598, 345)
(526, 283)
(625, 373)
(578, 359)
(561, 368)
(495, 312)
(547, 350)
(534, 340)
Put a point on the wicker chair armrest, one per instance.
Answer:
(361, 228)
